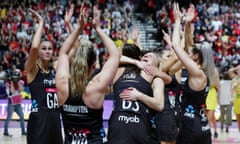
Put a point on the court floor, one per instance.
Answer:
(232, 137)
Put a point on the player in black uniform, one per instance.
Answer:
(137, 97)
(195, 128)
(44, 125)
(80, 96)
(168, 121)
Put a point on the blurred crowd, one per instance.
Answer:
(18, 26)
(217, 21)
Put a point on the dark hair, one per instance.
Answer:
(158, 51)
(196, 50)
(44, 38)
(134, 52)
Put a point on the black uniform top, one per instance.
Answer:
(44, 125)
(138, 82)
(196, 99)
(194, 104)
(173, 95)
(195, 128)
(130, 120)
(43, 91)
(168, 121)
(81, 123)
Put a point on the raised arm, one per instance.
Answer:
(30, 64)
(196, 75)
(128, 60)
(96, 88)
(172, 65)
(62, 70)
(182, 55)
(188, 30)
(69, 43)
(112, 62)
(67, 18)
(232, 71)
(185, 42)
(67, 21)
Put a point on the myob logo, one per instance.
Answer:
(126, 119)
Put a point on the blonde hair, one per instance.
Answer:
(79, 68)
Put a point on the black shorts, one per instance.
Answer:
(123, 132)
(191, 132)
(44, 127)
(167, 127)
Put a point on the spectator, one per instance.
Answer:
(13, 89)
(225, 102)
(3, 78)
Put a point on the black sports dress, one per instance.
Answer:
(44, 125)
(167, 121)
(82, 125)
(130, 120)
(195, 128)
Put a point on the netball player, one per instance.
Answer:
(80, 95)
(234, 74)
(195, 128)
(137, 97)
(44, 121)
